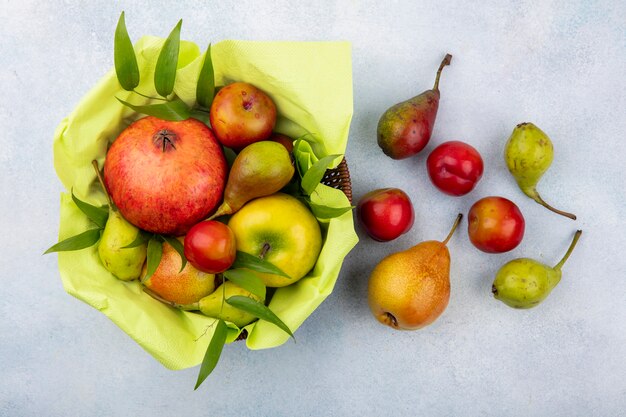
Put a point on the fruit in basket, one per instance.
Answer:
(242, 114)
(528, 154)
(176, 286)
(260, 169)
(214, 305)
(210, 246)
(410, 289)
(165, 176)
(385, 213)
(280, 229)
(125, 263)
(405, 128)
(524, 282)
(284, 140)
(455, 167)
(495, 225)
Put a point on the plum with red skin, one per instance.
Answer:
(455, 167)
(210, 246)
(495, 225)
(385, 213)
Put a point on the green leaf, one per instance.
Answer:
(165, 70)
(205, 88)
(155, 250)
(126, 67)
(314, 175)
(98, 215)
(175, 110)
(175, 243)
(247, 280)
(213, 352)
(325, 212)
(81, 241)
(245, 260)
(142, 238)
(257, 309)
(203, 116)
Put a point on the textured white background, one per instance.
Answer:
(559, 64)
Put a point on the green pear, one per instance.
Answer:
(528, 154)
(524, 282)
(259, 170)
(124, 263)
(215, 305)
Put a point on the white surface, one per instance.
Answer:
(559, 64)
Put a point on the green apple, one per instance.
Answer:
(281, 230)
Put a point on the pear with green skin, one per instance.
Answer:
(215, 305)
(528, 154)
(124, 263)
(524, 282)
(259, 170)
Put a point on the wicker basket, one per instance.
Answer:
(338, 178)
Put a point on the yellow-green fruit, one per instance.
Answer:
(524, 282)
(215, 305)
(260, 169)
(125, 263)
(528, 154)
(280, 229)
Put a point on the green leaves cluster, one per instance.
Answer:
(241, 274)
(127, 71)
(97, 215)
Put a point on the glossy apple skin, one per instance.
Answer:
(385, 213)
(210, 246)
(165, 176)
(242, 114)
(455, 167)
(495, 225)
(282, 230)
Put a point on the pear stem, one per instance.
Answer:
(570, 249)
(99, 175)
(540, 200)
(222, 210)
(446, 61)
(454, 226)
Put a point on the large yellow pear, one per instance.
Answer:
(281, 230)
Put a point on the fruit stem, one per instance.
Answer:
(99, 175)
(446, 61)
(540, 200)
(454, 226)
(222, 210)
(570, 249)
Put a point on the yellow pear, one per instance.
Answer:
(410, 289)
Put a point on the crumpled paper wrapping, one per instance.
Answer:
(311, 84)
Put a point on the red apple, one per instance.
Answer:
(210, 246)
(242, 114)
(455, 167)
(385, 213)
(495, 225)
(165, 176)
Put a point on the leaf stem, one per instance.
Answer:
(152, 98)
(99, 175)
(454, 226)
(570, 249)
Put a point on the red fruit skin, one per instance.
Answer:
(385, 213)
(455, 168)
(165, 176)
(210, 246)
(242, 114)
(495, 225)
